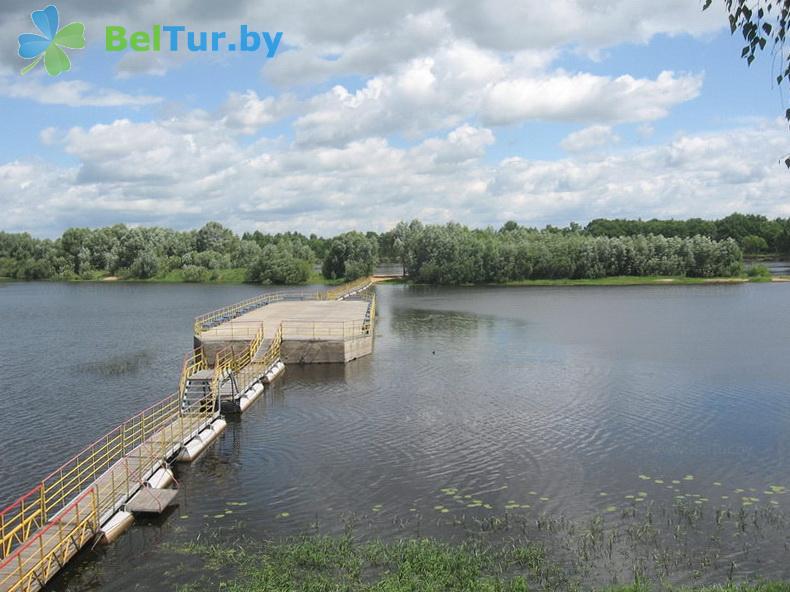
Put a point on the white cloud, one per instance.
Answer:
(183, 171)
(146, 154)
(72, 93)
(459, 81)
(134, 63)
(461, 145)
(645, 130)
(370, 37)
(586, 97)
(503, 24)
(708, 175)
(438, 80)
(429, 93)
(595, 136)
(372, 51)
(247, 112)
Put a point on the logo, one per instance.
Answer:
(49, 45)
(178, 38)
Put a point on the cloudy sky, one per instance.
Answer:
(372, 112)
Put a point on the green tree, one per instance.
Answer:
(762, 24)
(351, 255)
(248, 253)
(215, 237)
(146, 265)
(753, 244)
(282, 263)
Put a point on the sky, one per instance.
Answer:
(369, 113)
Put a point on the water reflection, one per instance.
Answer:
(560, 403)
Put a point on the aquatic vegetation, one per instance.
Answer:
(120, 364)
(320, 562)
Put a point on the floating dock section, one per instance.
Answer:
(237, 351)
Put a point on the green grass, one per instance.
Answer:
(227, 276)
(756, 587)
(621, 280)
(323, 563)
(627, 280)
(318, 278)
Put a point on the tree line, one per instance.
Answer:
(754, 234)
(190, 256)
(455, 254)
(443, 254)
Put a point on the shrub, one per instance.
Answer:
(194, 274)
(758, 271)
(279, 264)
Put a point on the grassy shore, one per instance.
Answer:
(635, 280)
(324, 563)
(622, 280)
(238, 276)
(220, 276)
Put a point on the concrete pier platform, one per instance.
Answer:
(314, 331)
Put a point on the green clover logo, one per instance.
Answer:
(49, 46)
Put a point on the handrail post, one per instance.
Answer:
(43, 503)
(95, 497)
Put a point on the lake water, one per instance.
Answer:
(563, 402)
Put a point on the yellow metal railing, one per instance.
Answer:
(250, 368)
(322, 329)
(272, 354)
(238, 330)
(223, 366)
(193, 362)
(370, 321)
(227, 313)
(158, 429)
(212, 319)
(35, 562)
(48, 525)
(245, 357)
(344, 290)
(31, 511)
(70, 479)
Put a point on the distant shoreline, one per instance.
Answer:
(617, 281)
(319, 280)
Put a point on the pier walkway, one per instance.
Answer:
(237, 350)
